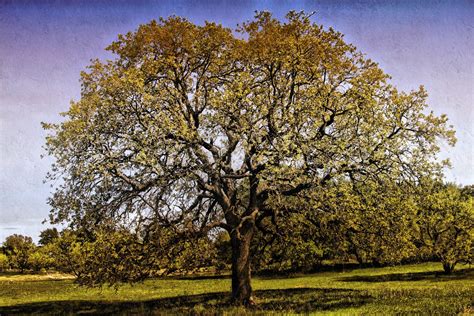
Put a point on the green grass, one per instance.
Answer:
(411, 289)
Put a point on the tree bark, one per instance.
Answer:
(448, 267)
(241, 288)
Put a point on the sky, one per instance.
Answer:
(45, 44)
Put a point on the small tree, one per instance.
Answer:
(196, 128)
(446, 224)
(18, 248)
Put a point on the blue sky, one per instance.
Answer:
(45, 44)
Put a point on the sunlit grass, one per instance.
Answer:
(412, 289)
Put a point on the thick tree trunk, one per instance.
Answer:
(448, 267)
(241, 288)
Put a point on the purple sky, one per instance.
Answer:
(45, 44)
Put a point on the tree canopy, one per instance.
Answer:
(446, 223)
(196, 128)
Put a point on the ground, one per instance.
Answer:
(410, 289)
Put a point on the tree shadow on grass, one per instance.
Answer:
(305, 300)
(416, 276)
(300, 300)
(202, 277)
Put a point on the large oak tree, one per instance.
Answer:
(197, 128)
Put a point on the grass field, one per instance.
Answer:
(411, 289)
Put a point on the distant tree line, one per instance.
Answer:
(371, 225)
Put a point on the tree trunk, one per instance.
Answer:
(448, 267)
(241, 288)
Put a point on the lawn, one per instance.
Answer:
(410, 289)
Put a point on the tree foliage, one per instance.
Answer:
(194, 127)
(48, 236)
(18, 249)
(372, 223)
(42, 258)
(4, 263)
(446, 224)
(377, 222)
